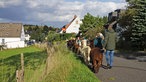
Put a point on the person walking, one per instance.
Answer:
(98, 41)
(78, 45)
(110, 44)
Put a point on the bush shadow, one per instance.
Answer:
(130, 55)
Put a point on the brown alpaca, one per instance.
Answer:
(96, 58)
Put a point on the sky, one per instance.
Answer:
(55, 13)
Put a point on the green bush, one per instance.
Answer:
(52, 36)
(67, 35)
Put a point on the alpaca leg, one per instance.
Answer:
(95, 66)
(89, 49)
(101, 58)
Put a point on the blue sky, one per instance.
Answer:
(54, 12)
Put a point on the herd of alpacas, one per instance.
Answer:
(91, 55)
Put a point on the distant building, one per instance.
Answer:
(112, 16)
(73, 26)
(12, 35)
(115, 15)
(27, 37)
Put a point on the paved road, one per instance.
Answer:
(123, 70)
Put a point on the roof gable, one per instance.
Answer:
(10, 29)
(70, 22)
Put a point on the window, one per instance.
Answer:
(3, 41)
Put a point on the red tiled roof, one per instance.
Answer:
(66, 26)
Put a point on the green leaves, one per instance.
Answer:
(139, 24)
(135, 19)
(91, 25)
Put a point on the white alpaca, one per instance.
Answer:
(85, 51)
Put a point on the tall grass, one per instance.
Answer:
(65, 66)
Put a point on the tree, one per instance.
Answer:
(45, 29)
(125, 21)
(29, 30)
(139, 25)
(36, 27)
(91, 25)
(105, 19)
(134, 21)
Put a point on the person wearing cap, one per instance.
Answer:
(98, 41)
(110, 44)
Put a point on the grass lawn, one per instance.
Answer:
(12, 52)
(34, 58)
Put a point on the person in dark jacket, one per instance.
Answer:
(99, 40)
(110, 44)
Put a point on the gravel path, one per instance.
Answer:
(124, 70)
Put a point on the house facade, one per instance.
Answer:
(12, 35)
(73, 26)
(114, 16)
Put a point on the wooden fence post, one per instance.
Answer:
(20, 73)
(17, 76)
(22, 67)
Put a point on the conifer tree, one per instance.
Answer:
(139, 25)
(134, 21)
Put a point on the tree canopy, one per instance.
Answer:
(134, 21)
(91, 25)
(139, 25)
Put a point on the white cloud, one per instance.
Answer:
(32, 4)
(66, 10)
(102, 8)
(70, 6)
(58, 10)
(1, 4)
(6, 3)
(42, 3)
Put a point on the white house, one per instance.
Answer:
(27, 37)
(73, 26)
(12, 35)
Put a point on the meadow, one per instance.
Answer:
(10, 62)
(56, 64)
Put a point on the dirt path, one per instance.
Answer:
(123, 70)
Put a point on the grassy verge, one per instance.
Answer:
(65, 66)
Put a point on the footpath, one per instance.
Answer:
(123, 70)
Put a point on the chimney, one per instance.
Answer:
(75, 16)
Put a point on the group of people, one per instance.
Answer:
(84, 48)
(106, 43)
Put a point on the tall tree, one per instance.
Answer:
(91, 25)
(139, 25)
(45, 29)
(29, 29)
(134, 22)
(125, 21)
